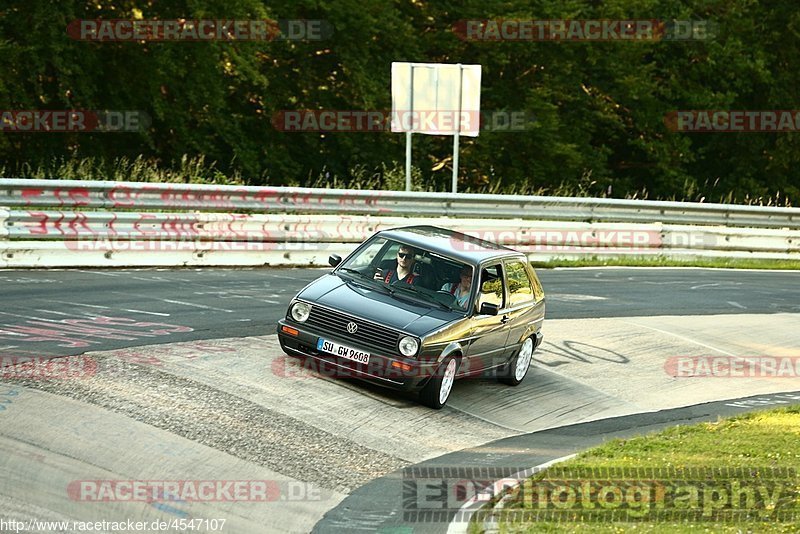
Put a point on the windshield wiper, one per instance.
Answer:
(354, 271)
(367, 282)
(407, 287)
(420, 295)
(445, 306)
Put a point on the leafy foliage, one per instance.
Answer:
(599, 107)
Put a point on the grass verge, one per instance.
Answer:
(750, 460)
(384, 176)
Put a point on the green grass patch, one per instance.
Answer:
(758, 450)
(718, 263)
(189, 170)
(386, 176)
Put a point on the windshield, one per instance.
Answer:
(427, 276)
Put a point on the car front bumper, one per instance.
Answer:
(395, 372)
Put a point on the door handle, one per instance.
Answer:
(505, 319)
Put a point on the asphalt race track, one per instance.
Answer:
(176, 375)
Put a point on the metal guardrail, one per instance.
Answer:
(69, 223)
(120, 196)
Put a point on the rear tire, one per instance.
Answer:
(437, 390)
(519, 364)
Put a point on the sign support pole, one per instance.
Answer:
(410, 129)
(458, 129)
(455, 162)
(408, 161)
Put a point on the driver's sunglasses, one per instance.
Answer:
(404, 254)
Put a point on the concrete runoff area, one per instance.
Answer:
(635, 360)
(47, 457)
(590, 369)
(239, 410)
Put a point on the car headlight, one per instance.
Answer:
(408, 346)
(300, 311)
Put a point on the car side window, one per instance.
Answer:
(520, 290)
(491, 287)
(537, 287)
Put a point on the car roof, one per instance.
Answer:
(456, 245)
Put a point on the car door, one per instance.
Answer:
(523, 309)
(489, 331)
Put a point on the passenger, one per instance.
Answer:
(461, 289)
(403, 271)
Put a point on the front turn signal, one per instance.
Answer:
(289, 330)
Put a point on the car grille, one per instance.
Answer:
(371, 333)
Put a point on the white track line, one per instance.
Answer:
(460, 523)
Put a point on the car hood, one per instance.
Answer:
(395, 312)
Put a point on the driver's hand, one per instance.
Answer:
(378, 275)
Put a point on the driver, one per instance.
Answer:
(403, 271)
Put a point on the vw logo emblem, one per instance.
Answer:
(352, 327)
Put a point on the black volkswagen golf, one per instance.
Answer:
(415, 308)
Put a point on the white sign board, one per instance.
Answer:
(436, 99)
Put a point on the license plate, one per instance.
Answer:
(342, 351)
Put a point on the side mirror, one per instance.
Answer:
(334, 260)
(487, 308)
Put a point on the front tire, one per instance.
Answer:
(437, 390)
(519, 364)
